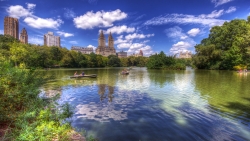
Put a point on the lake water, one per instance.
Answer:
(157, 105)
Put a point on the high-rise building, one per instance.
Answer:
(51, 40)
(104, 50)
(11, 27)
(24, 36)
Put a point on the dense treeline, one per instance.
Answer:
(45, 57)
(161, 61)
(226, 46)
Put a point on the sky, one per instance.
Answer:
(171, 26)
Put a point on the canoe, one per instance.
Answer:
(80, 76)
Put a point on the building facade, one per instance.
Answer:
(185, 54)
(24, 36)
(138, 54)
(122, 54)
(83, 50)
(11, 27)
(51, 40)
(104, 50)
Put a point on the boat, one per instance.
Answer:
(80, 76)
(125, 73)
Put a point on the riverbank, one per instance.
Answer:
(26, 116)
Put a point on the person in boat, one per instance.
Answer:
(75, 74)
(82, 73)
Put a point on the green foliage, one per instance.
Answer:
(114, 61)
(45, 57)
(225, 47)
(161, 61)
(29, 117)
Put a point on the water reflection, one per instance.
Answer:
(102, 89)
(159, 104)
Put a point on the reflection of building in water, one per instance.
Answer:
(186, 54)
(102, 89)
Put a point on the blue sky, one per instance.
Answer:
(149, 25)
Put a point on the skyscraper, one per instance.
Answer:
(24, 36)
(51, 40)
(11, 27)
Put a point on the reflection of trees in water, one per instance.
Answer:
(225, 91)
(107, 76)
(102, 89)
(160, 77)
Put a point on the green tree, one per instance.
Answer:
(225, 47)
(114, 61)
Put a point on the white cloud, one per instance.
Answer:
(1, 31)
(175, 33)
(119, 29)
(139, 36)
(18, 11)
(135, 48)
(61, 33)
(203, 19)
(98, 19)
(36, 40)
(39, 23)
(181, 46)
(31, 6)
(231, 9)
(94, 48)
(220, 2)
(73, 42)
(69, 13)
(214, 14)
(193, 32)
(124, 45)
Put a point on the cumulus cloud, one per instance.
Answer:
(127, 43)
(203, 19)
(69, 13)
(180, 46)
(94, 48)
(19, 11)
(135, 48)
(98, 19)
(39, 23)
(119, 29)
(193, 32)
(1, 31)
(175, 33)
(220, 2)
(73, 42)
(61, 33)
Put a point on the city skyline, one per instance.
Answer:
(169, 26)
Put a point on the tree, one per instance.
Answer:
(225, 47)
(114, 61)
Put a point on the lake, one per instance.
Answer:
(156, 105)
